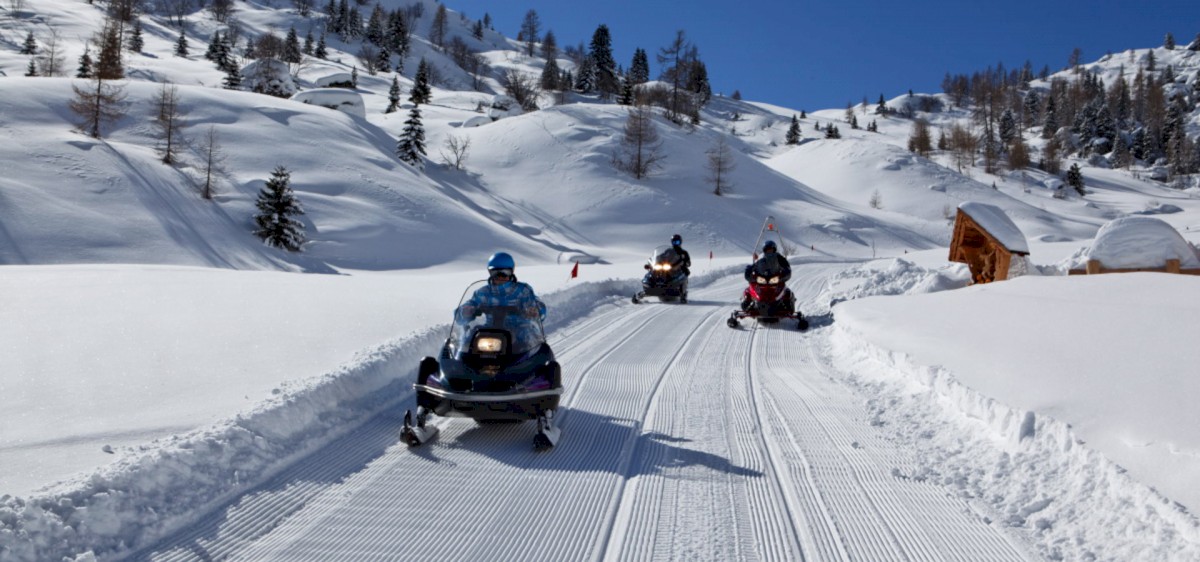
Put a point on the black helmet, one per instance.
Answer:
(769, 245)
(676, 240)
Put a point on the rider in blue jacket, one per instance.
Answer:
(503, 289)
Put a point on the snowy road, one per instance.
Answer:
(682, 439)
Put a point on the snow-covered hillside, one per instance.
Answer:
(171, 388)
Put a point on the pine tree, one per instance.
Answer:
(1075, 179)
(85, 64)
(31, 70)
(627, 93)
(276, 205)
(291, 47)
(1050, 124)
(308, 43)
(530, 30)
(136, 42)
(233, 78)
(1008, 126)
(375, 24)
(881, 108)
(393, 96)
(411, 146)
(1169, 42)
(601, 54)
(108, 60)
(181, 46)
(793, 132)
(920, 141)
(321, 51)
(639, 69)
(477, 30)
(550, 75)
(585, 81)
(211, 52)
(30, 46)
(383, 61)
(421, 92)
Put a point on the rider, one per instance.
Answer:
(503, 289)
(677, 245)
(771, 264)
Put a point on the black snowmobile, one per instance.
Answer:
(664, 277)
(494, 367)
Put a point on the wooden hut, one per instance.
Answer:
(986, 240)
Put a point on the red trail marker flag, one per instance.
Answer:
(575, 271)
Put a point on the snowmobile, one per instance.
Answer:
(767, 299)
(494, 367)
(664, 277)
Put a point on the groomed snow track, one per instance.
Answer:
(682, 440)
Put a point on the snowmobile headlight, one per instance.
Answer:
(489, 345)
(762, 280)
(774, 280)
(665, 267)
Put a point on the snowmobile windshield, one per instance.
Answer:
(487, 310)
(665, 255)
(768, 266)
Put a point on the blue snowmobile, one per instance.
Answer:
(494, 367)
(664, 277)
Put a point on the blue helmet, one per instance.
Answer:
(676, 240)
(501, 260)
(769, 245)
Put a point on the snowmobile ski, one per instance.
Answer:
(548, 432)
(418, 433)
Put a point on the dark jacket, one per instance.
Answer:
(770, 265)
(684, 257)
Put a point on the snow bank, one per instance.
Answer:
(892, 277)
(1024, 469)
(334, 98)
(169, 483)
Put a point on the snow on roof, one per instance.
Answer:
(336, 78)
(1140, 241)
(992, 219)
(340, 99)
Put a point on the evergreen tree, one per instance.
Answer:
(321, 52)
(1138, 146)
(920, 141)
(1050, 124)
(211, 52)
(1150, 62)
(1008, 127)
(397, 38)
(1075, 179)
(627, 93)
(793, 132)
(181, 46)
(393, 95)
(30, 46)
(136, 42)
(698, 82)
(85, 64)
(276, 205)
(31, 70)
(421, 91)
(354, 77)
(550, 47)
(383, 61)
(639, 69)
(585, 81)
(233, 78)
(1169, 42)
(601, 54)
(108, 60)
(1033, 105)
(411, 146)
(308, 43)
(882, 108)
(550, 75)
(375, 33)
(477, 30)
(291, 48)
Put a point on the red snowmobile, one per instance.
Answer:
(768, 299)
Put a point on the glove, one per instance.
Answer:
(532, 312)
(468, 311)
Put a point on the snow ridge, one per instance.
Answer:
(1037, 474)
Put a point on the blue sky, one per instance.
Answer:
(820, 55)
